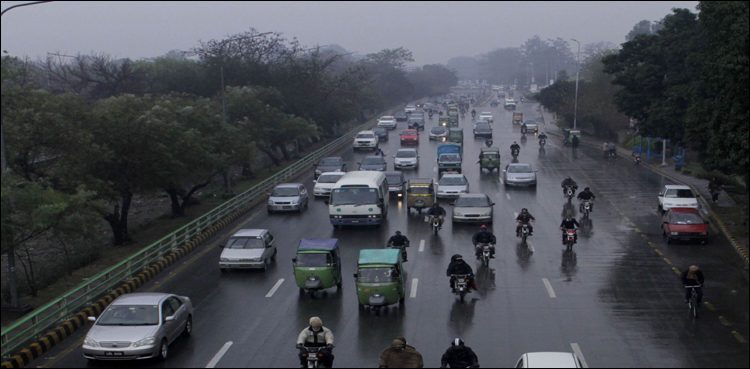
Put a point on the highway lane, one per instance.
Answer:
(617, 299)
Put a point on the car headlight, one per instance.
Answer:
(270, 202)
(704, 233)
(223, 260)
(88, 341)
(148, 341)
(675, 233)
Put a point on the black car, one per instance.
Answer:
(330, 164)
(382, 133)
(400, 116)
(482, 129)
(373, 162)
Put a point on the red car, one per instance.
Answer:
(684, 224)
(409, 137)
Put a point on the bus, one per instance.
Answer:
(359, 198)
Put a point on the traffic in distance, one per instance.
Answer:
(360, 262)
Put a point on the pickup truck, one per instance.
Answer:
(449, 157)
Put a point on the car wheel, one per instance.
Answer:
(163, 350)
(188, 326)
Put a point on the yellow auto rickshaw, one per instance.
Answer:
(420, 194)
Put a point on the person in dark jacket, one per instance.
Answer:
(400, 355)
(400, 241)
(484, 236)
(459, 266)
(569, 223)
(569, 182)
(693, 277)
(524, 218)
(459, 356)
(585, 195)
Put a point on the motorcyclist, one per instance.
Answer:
(316, 335)
(586, 195)
(575, 141)
(515, 147)
(484, 236)
(542, 136)
(473, 113)
(400, 355)
(437, 211)
(569, 182)
(569, 223)
(611, 148)
(459, 356)
(693, 277)
(459, 266)
(524, 218)
(523, 128)
(400, 241)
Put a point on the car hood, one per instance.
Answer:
(329, 168)
(284, 199)
(472, 209)
(242, 253)
(520, 175)
(451, 188)
(406, 160)
(116, 333)
(372, 167)
(324, 185)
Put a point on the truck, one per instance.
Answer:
(517, 117)
(449, 157)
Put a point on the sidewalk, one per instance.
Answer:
(699, 185)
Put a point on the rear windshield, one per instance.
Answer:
(330, 161)
(245, 243)
(285, 192)
(452, 181)
(313, 260)
(472, 201)
(377, 275)
(519, 169)
(679, 194)
(686, 218)
(482, 126)
(420, 190)
(329, 178)
(366, 135)
(393, 179)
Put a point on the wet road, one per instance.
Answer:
(616, 298)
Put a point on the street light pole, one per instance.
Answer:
(578, 69)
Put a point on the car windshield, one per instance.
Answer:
(354, 196)
(366, 135)
(377, 275)
(380, 130)
(330, 161)
(452, 181)
(522, 168)
(126, 315)
(386, 118)
(313, 259)
(679, 194)
(329, 178)
(421, 190)
(686, 218)
(373, 160)
(285, 192)
(245, 243)
(438, 130)
(450, 157)
(406, 154)
(482, 126)
(394, 179)
(472, 201)
(409, 133)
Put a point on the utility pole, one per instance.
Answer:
(578, 69)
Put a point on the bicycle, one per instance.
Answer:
(693, 301)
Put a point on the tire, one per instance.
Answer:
(188, 327)
(163, 350)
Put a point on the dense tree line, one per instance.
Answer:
(85, 134)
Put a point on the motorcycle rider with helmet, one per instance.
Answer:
(569, 223)
(400, 241)
(524, 218)
(459, 266)
(484, 236)
(586, 195)
(316, 335)
(437, 211)
(459, 356)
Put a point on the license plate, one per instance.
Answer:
(113, 353)
(355, 221)
(288, 207)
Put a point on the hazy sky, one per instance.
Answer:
(433, 31)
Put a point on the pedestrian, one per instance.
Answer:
(400, 355)
(714, 187)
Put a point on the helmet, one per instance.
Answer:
(398, 343)
(483, 227)
(693, 268)
(524, 210)
(586, 189)
(456, 257)
(457, 342)
(316, 322)
(398, 233)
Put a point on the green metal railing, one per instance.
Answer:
(36, 323)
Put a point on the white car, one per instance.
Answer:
(548, 360)
(677, 196)
(406, 159)
(510, 104)
(325, 183)
(410, 108)
(248, 249)
(473, 207)
(486, 116)
(387, 121)
(365, 140)
(452, 185)
(519, 174)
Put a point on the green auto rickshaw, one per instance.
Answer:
(456, 135)
(489, 158)
(380, 278)
(420, 194)
(444, 121)
(317, 265)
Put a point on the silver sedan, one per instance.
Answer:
(139, 326)
(519, 174)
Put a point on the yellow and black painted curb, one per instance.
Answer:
(54, 336)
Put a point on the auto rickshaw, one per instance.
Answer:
(380, 278)
(489, 158)
(456, 135)
(317, 265)
(444, 121)
(569, 133)
(420, 194)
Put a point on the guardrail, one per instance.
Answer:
(34, 324)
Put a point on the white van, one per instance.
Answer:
(359, 198)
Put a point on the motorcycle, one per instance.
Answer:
(637, 160)
(514, 153)
(461, 285)
(314, 355)
(542, 142)
(570, 239)
(435, 223)
(488, 142)
(586, 208)
(524, 233)
(569, 192)
(429, 115)
(402, 248)
(484, 252)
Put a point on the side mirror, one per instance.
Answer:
(294, 260)
(492, 204)
(220, 245)
(356, 275)
(169, 319)
(315, 181)
(92, 318)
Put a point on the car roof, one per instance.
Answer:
(677, 187)
(518, 164)
(340, 174)
(394, 173)
(332, 158)
(551, 360)
(318, 244)
(288, 185)
(386, 116)
(249, 232)
(141, 298)
(473, 195)
(409, 131)
(374, 157)
(486, 112)
(366, 131)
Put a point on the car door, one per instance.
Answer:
(303, 194)
(270, 248)
(180, 316)
(168, 328)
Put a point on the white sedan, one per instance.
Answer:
(486, 116)
(452, 185)
(325, 183)
(406, 159)
(473, 207)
